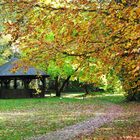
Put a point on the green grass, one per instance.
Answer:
(25, 118)
(22, 118)
(105, 98)
(15, 104)
(119, 99)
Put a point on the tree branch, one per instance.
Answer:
(3, 3)
(80, 54)
(49, 7)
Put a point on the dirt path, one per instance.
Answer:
(86, 127)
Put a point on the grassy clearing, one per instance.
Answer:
(22, 118)
(101, 97)
(115, 99)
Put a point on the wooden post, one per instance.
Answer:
(43, 90)
(7, 83)
(15, 83)
(26, 83)
(1, 83)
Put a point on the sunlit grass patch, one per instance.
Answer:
(117, 99)
(99, 97)
(107, 98)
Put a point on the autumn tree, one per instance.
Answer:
(104, 31)
(123, 42)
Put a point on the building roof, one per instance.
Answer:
(6, 70)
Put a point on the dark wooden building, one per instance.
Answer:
(17, 84)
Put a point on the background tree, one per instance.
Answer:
(61, 73)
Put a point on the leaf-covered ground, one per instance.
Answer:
(84, 127)
(126, 127)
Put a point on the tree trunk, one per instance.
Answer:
(58, 93)
(58, 87)
(133, 94)
(86, 89)
(64, 83)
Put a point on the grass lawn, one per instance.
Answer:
(24, 118)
